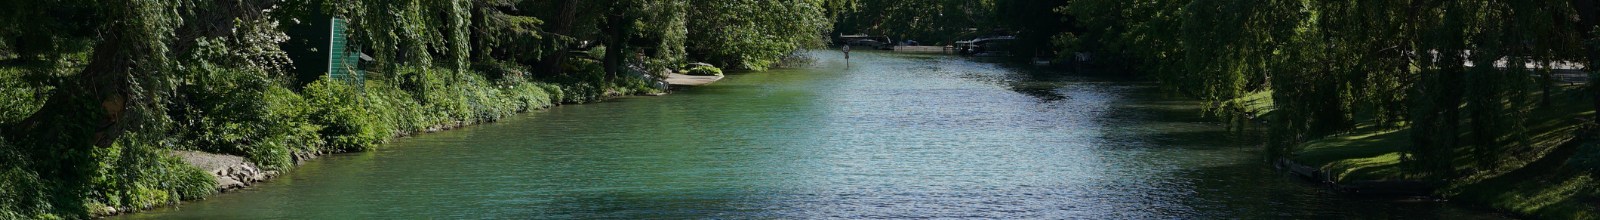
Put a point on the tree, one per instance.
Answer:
(134, 52)
(1403, 63)
(752, 35)
(933, 21)
(1036, 23)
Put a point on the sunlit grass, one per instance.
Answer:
(1258, 103)
(1531, 179)
(1358, 146)
(1381, 167)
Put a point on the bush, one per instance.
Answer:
(23, 195)
(242, 113)
(18, 98)
(528, 96)
(438, 93)
(557, 95)
(484, 100)
(705, 71)
(346, 117)
(290, 133)
(135, 173)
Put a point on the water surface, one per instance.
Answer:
(879, 136)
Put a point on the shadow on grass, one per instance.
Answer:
(1545, 188)
(1529, 178)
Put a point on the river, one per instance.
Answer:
(878, 136)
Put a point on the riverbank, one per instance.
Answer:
(224, 141)
(922, 136)
(1544, 178)
(234, 172)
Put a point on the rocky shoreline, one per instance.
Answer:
(231, 172)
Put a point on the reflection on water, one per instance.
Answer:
(891, 136)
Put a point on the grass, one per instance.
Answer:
(1547, 188)
(1535, 180)
(1257, 103)
(1363, 155)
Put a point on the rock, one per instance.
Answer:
(225, 184)
(231, 172)
(106, 210)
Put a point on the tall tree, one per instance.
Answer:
(750, 34)
(135, 48)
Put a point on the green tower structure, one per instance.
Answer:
(343, 64)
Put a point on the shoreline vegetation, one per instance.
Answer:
(98, 99)
(232, 172)
(1481, 103)
(1546, 180)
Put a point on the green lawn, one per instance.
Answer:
(1534, 181)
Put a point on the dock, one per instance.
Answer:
(675, 79)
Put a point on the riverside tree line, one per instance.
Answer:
(94, 94)
(1464, 93)
(1350, 68)
(1334, 65)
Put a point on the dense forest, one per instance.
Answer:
(1474, 99)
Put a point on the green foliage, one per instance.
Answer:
(346, 116)
(396, 109)
(1466, 82)
(94, 94)
(585, 82)
(18, 98)
(1331, 64)
(241, 112)
(424, 100)
(134, 175)
(502, 36)
(556, 94)
(23, 194)
(752, 35)
(292, 126)
(524, 96)
(410, 32)
(930, 21)
(705, 71)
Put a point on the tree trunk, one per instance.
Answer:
(561, 25)
(1587, 19)
(618, 31)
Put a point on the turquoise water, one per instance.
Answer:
(879, 136)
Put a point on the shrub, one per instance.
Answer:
(244, 113)
(345, 116)
(23, 195)
(397, 110)
(528, 96)
(554, 91)
(437, 92)
(705, 71)
(290, 132)
(484, 100)
(18, 98)
(135, 173)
